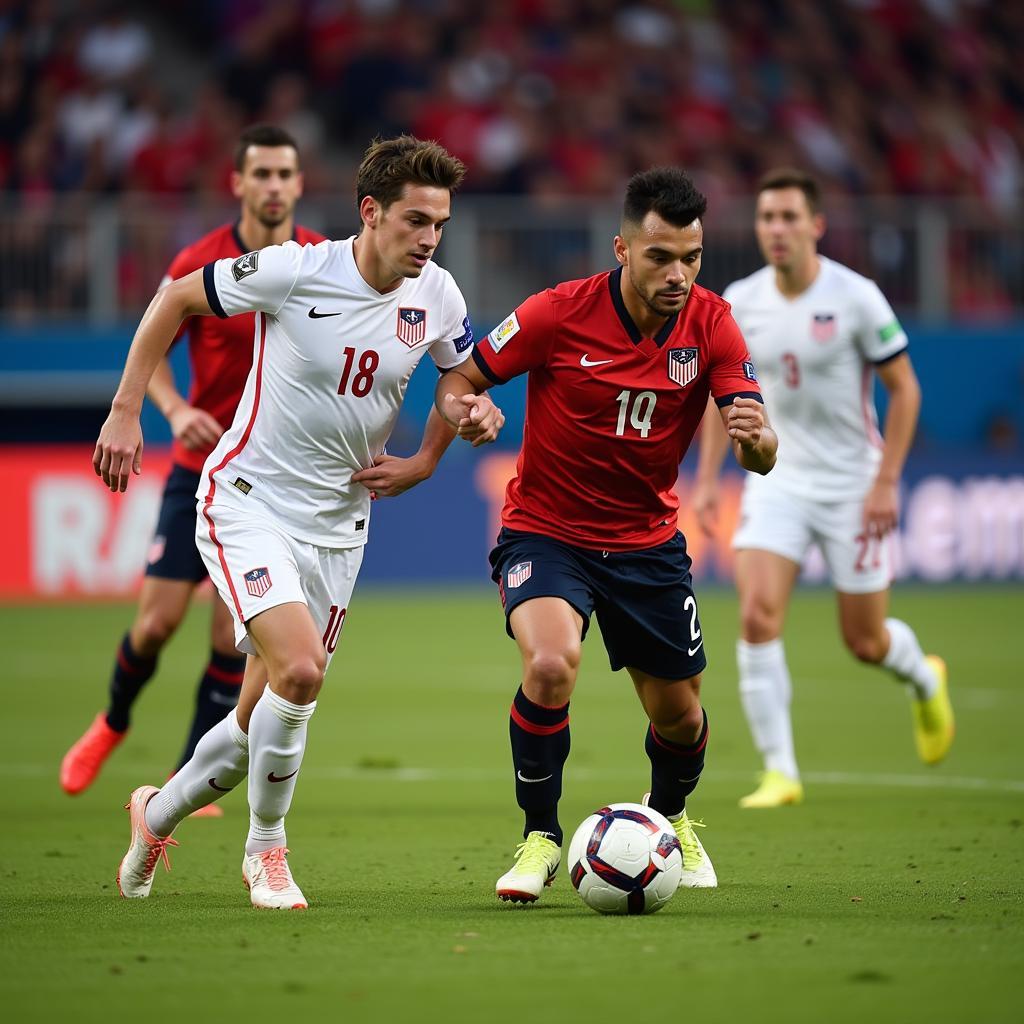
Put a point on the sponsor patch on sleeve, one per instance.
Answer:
(461, 344)
(504, 332)
(748, 371)
(890, 331)
(245, 265)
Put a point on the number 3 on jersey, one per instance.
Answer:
(363, 379)
(639, 409)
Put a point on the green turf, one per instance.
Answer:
(894, 893)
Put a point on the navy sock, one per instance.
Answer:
(217, 695)
(540, 746)
(131, 672)
(675, 769)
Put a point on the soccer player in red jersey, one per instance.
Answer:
(620, 369)
(268, 182)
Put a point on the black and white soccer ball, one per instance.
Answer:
(625, 859)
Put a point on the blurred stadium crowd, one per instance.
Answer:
(541, 98)
(878, 96)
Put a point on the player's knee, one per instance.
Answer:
(152, 630)
(681, 723)
(867, 647)
(551, 674)
(300, 679)
(759, 621)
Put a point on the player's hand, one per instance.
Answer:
(479, 419)
(706, 506)
(881, 509)
(194, 428)
(745, 422)
(118, 450)
(390, 476)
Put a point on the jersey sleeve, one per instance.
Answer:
(456, 331)
(519, 343)
(260, 280)
(881, 337)
(732, 373)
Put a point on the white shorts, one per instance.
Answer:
(255, 565)
(773, 520)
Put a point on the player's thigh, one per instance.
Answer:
(858, 563)
(764, 584)
(648, 612)
(862, 623)
(161, 606)
(287, 640)
(253, 563)
(222, 626)
(549, 634)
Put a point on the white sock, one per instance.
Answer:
(906, 660)
(221, 760)
(277, 741)
(766, 691)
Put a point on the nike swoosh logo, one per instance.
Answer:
(314, 315)
(584, 361)
(691, 651)
(271, 777)
(522, 778)
(220, 789)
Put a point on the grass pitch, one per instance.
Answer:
(893, 894)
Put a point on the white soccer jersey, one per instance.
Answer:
(815, 356)
(332, 359)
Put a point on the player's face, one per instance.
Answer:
(269, 184)
(405, 234)
(662, 261)
(787, 230)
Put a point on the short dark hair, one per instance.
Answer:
(391, 164)
(261, 135)
(668, 191)
(791, 177)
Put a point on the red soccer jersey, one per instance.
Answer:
(219, 351)
(609, 413)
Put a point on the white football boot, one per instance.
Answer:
(269, 881)
(536, 863)
(698, 871)
(135, 873)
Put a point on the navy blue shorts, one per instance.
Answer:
(173, 554)
(643, 600)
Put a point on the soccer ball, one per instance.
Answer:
(625, 859)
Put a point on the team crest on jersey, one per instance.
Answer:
(519, 574)
(823, 326)
(504, 332)
(257, 581)
(245, 265)
(682, 365)
(412, 325)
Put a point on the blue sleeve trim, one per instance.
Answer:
(728, 399)
(890, 358)
(211, 292)
(484, 368)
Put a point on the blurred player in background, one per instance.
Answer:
(285, 495)
(818, 332)
(268, 181)
(620, 369)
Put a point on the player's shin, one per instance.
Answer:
(277, 741)
(675, 769)
(216, 695)
(131, 672)
(765, 691)
(907, 661)
(218, 764)
(540, 746)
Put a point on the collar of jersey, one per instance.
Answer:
(615, 287)
(348, 256)
(237, 236)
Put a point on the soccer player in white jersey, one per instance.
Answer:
(284, 500)
(818, 333)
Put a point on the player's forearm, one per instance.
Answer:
(152, 339)
(714, 443)
(162, 390)
(455, 384)
(438, 434)
(759, 457)
(900, 425)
